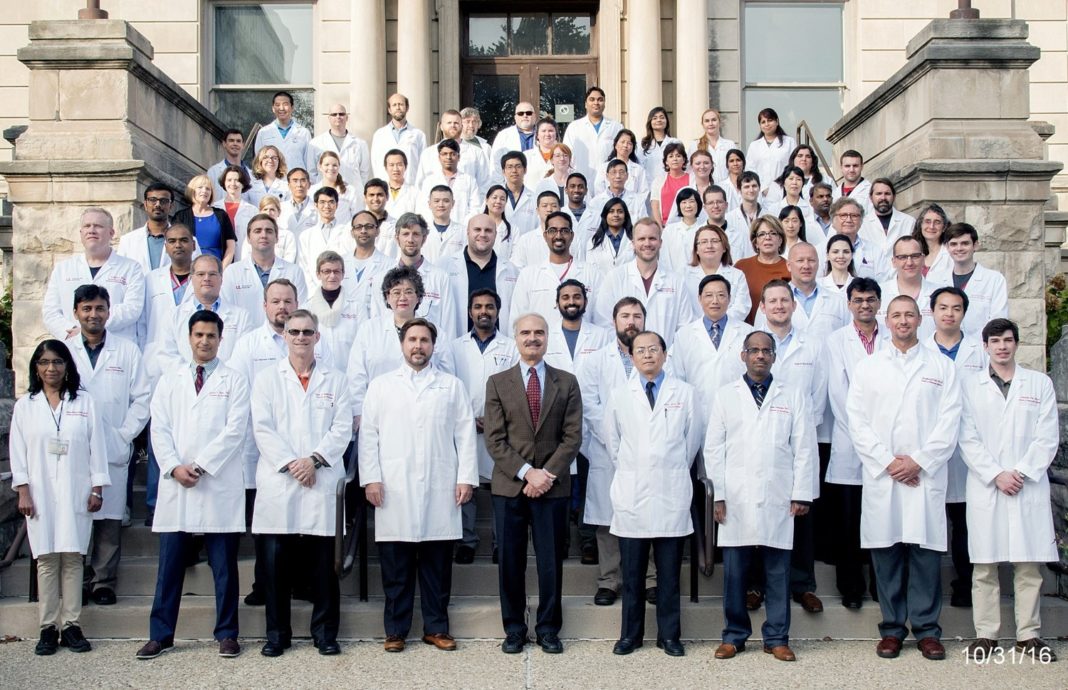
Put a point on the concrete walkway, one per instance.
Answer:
(480, 664)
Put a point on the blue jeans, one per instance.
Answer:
(737, 626)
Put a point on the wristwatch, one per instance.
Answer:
(319, 461)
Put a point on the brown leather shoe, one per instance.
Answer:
(809, 602)
(1037, 648)
(889, 647)
(781, 652)
(753, 599)
(442, 641)
(932, 649)
(727, 651)
(394, 643)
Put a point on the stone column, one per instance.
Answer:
(448, 54)
(691, 73)
(104, 123)
(413, 61)
(644, 74)
(367, 67)
(951, 127)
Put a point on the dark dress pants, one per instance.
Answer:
(222, 557)
(634, 563)
(313, 558)
(545, 520)
(958, 548)
(737, 626)
(401, 562)
(909, 578)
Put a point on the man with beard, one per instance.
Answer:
(375, 196)
(361, 266)
(537, 284)
(530, 247)
(418, 464)
(820, 196)
(886, 223)
(397, 134)
(447, 171)
(607, 369)
(477, 355)
(145, 244)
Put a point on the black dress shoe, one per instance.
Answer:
(465, 555)
(255, 598)
(513, 643)
(671, 647)
(328, 647)
(604, 597)
(149, 518)
(625, 646)
(273, 648)
(49, 642)
(104, 596)
(852, 602)
(72, 638)
(589, 555)
(650, 595)
(961, 600)
(550, 643)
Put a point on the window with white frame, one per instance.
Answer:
(254, 50)
(793, 62)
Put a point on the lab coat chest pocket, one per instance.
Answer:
(322, 411)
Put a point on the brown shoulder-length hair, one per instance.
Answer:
(726, 259)
(257, 163)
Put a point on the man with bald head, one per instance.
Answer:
(352, 150)
(478, 267)
(519, 137)
(397, 134)
(533, 430)
(904, 409)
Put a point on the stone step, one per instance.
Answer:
(479, 617)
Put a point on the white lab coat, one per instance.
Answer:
(134, 245)
(740, 303)
(59, 488)
(241, 286)
(695, 360)
(473, 368)
(1001, 434)
(120, 392)
(971, 360)
(901, 224)
(121, 277)
(508, 139)
(535, 289)
(737, 229)
(590, 146)
(524, 215)
(891, 290)
(354, 154)
(279, 189)
(530, 248)
(294, 146)
(349, 202)
(158, 320)
(768, 160)
(760, 460)
(637, 205)
(677, 249)
(440, 245)
(439, 304)
(455, 267)
(289, 423)
(297, 219)
(910, 404)
(941, 271)
(802, 364)
(318, 238)
(988, 295)
(843, 351)
(473, 162)
(411, 141)
(861, 193)
(466, 197)
(591, 338)
(604, 258)
(364, 281)
(339, 322)
(653, 159)
(286, 247)
(417, 438)
(602, 374)
(207, 429)
(406, 201)
(377, 351)
(174, 350)
(719, 158)
(829, 313)
(667, 306)
(245, 213)
(637, 181)
(537, 168)
(869, 261)
(652, 449)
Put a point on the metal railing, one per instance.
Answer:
(805, 136)
(703, 544)
(350, 538)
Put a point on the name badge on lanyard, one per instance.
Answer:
(58, 446)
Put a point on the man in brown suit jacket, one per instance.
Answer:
(533, 430)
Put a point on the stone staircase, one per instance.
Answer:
(475, 608)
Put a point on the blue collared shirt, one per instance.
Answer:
(397, 131)
(806, 301)
(952, 351)
(657, 383)
(482, 344)
(214, 306)
(781, 345)
(722, 325)
(209, 368)
(283, 131)
(525, 368)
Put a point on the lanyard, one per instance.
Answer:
(568, 269)
(56, 420)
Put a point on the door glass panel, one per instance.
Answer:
(495, 97)
(557, 92)
(487, 36)
(530, 34)
(820, 58)
(820, 108)
(571, 34)
(263, 44)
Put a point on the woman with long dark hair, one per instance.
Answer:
(623, 147)
(611, 245)
(769, 153)
(732, 185)
(59, 466)
(671, 180)
(653, 146)
(839, 269)
(678, 235)
(496, 203)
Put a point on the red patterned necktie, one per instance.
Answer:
(198, 383)
(534, 396)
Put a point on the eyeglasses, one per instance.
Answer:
(765, 234)
(558, 231)
(364, 226)
(715, 202)
(848, 216)
(306, 332)
(57, 363)
(406, 292)
(331, 272)
(651, 350)
(908, 257)
(157, 201)
(269, 158)
(326, 202)
(338, 114)
(709, 242)
(864, 301)
(525, 113)
(766, 351)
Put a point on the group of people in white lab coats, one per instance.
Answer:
(394, 309)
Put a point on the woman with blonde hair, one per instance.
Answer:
(711, 254)
(767, 237)
(211, 226)
(712, 142)
(268, 175)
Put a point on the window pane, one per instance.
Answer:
(495, 97)
(530, 34)
(812, 51)
(820, 108)
(571, 34)
(562, 90)
(487, 36)
(263, 44)
(243, 109)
